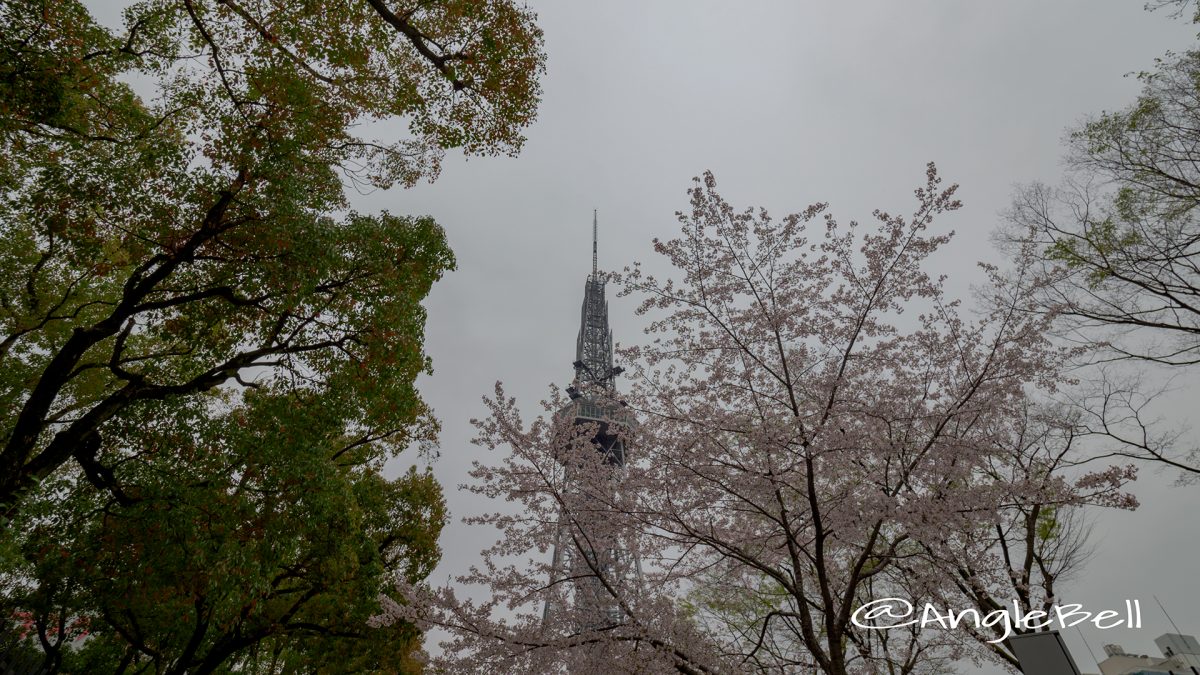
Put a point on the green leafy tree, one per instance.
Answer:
(1120, 236)
(205, 356)
(260, 538)
(155, 247)
(1117, 245)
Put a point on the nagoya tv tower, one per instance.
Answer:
(585, 555)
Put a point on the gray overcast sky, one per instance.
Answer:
(788, 103)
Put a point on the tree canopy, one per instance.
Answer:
(159, 245)
(262, 537)
(205, 355)
(1120, 233)
(1117, 243)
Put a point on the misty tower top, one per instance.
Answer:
(594, 349)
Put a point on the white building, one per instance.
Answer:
(1180, 656)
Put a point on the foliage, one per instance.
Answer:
(205, 356)
(156, 249)
(1034, 545)
(261, 535)
(1120, 237)
(1117, 245)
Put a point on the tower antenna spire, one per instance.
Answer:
(594, 230)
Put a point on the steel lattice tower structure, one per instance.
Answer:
(595, 405)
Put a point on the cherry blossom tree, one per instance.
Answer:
(817, 424)
(1025, 556)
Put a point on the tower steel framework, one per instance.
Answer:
(593, 402)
